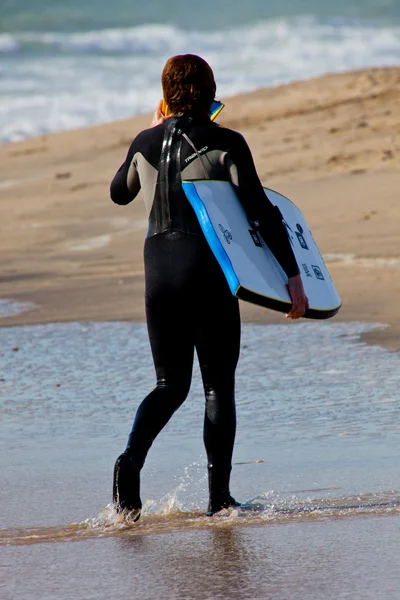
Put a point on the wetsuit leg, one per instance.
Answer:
(217, 339)
(167, 266)
(171, 260)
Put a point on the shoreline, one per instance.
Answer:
(384, 335)
(331, 144)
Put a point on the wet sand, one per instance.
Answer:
(321, 559)
(331, 144)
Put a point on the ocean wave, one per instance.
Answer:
(144, 39)
(161, 39)
(57, 81)
(8, 43)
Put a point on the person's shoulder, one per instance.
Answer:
(148, 138)
(150, 133)
(230, 135)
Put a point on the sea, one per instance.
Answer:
(65, 65)
(315, 466)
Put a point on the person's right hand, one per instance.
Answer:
(158, 117)
(298, 296)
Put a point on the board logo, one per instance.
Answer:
(255, 238)
(227, 234)
(306, 269)
(318, 272)
(302, 240)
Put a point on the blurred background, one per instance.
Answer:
(69, 64)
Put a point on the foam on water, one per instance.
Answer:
(54, 81)
(8, 308)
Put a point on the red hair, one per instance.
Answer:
(188, 84)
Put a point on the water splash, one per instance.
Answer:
(268, 508)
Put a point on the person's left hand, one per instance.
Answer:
(298, 296)
(158, 117)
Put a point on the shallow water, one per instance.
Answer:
(9, 308)
(316, 465)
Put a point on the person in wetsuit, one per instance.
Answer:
(188, 302)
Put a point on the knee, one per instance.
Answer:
(222, 392)
(176, 390)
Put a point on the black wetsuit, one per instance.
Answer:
(181, 315)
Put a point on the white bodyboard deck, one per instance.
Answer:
(251, 270)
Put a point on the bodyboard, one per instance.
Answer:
(251, 270)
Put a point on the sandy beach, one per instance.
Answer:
(331, 144)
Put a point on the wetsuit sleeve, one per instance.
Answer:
(258, 207)
(126, 184)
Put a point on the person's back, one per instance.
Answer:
(191, 147)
